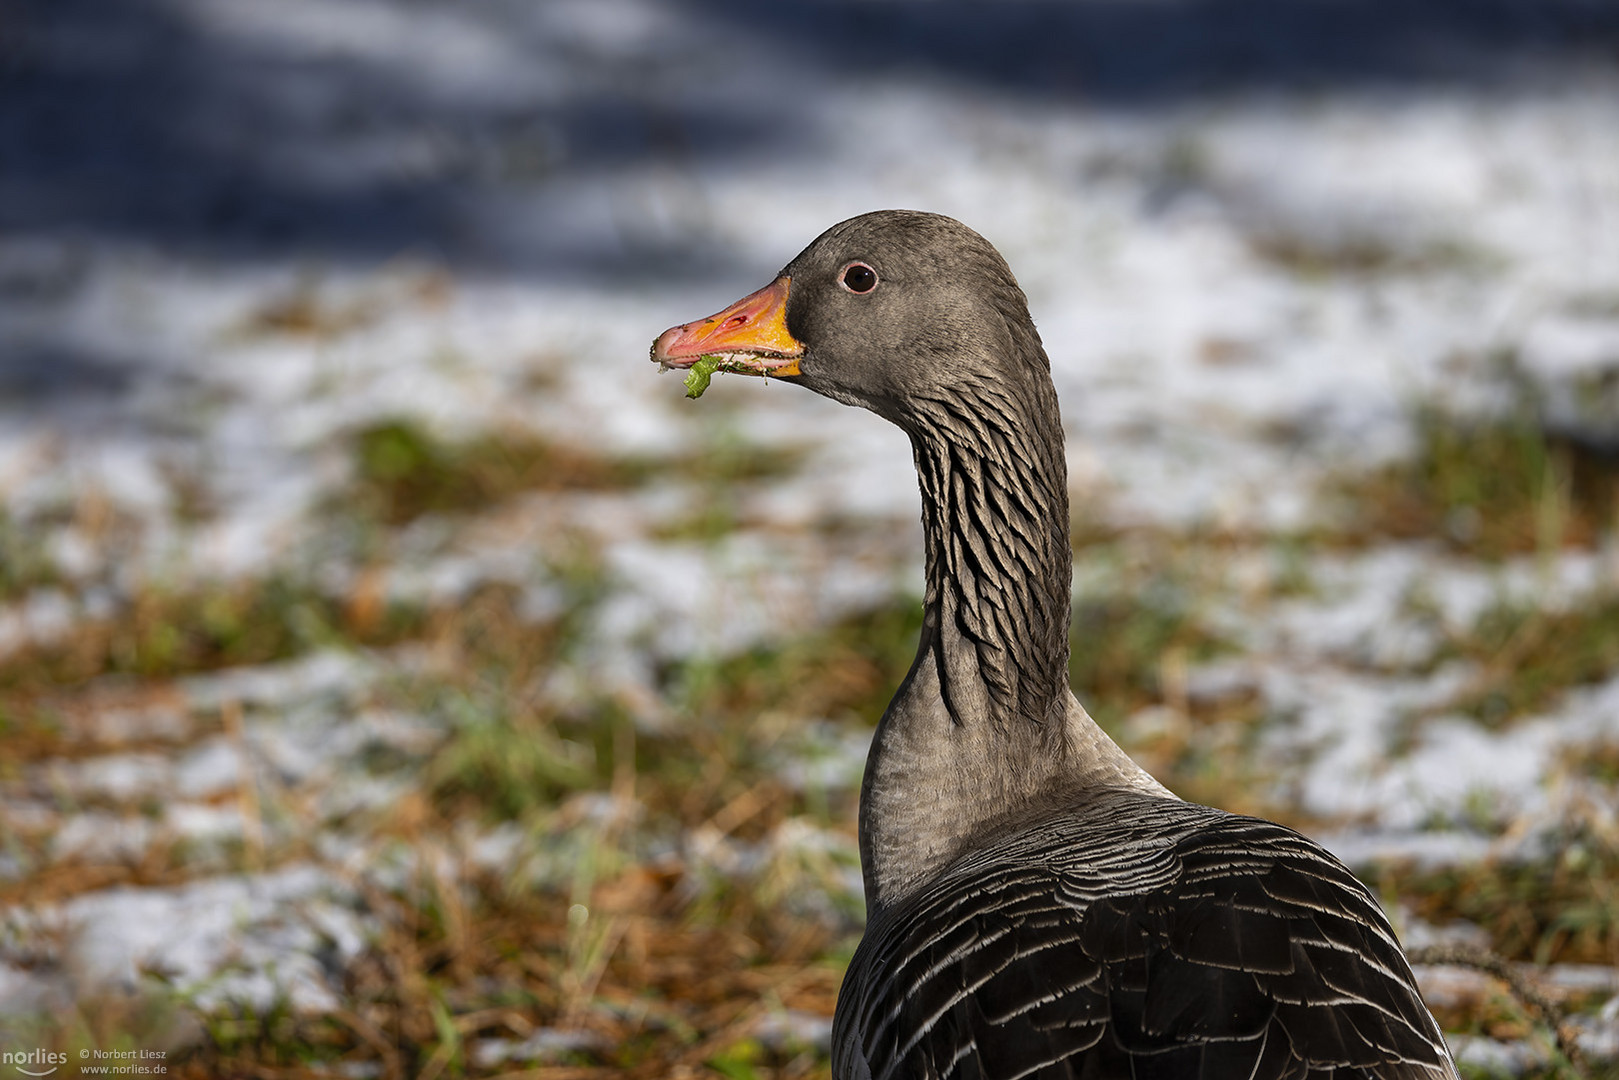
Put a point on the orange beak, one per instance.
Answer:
(751, 335)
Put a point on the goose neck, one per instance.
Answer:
(999, 566)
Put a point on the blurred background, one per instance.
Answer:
(397, 678)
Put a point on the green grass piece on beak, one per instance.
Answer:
(698, 376)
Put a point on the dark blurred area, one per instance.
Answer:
(195, 126)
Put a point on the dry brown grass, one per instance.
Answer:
(1488, 487)
(662, 965)
(162, 632)
(651, 983)
(403, 470)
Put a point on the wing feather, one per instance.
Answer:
(1137, 938)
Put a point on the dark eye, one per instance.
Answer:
(859, 278)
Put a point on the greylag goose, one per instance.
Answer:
(1038, 905)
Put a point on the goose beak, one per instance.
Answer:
(750, 336)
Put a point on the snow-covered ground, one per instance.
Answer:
(1253, 238)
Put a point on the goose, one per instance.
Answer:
(1038, 905)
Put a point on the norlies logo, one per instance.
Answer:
(33, 1062)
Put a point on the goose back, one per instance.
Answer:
(1135, 936)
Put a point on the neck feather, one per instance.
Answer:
(999, 567)
(984, 734)
(981, 727)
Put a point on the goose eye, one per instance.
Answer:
(859, 278)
